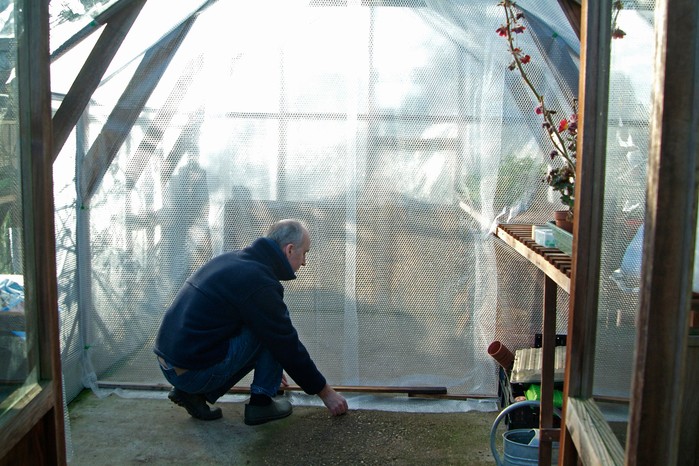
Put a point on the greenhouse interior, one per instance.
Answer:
(426, 145)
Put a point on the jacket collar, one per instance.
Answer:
(269, 252)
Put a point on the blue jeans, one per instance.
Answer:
(245, 353)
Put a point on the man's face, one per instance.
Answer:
(297, 255)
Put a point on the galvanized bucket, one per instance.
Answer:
(520, 446)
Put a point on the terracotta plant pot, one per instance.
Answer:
(502, 355)
(564, 220)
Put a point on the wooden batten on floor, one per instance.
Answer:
(410, 391)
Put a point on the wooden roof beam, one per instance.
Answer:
(97, 22)
(153, 135)
(128, 108)
(573, 11)
(91, 73)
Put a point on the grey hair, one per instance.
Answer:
(288, 231)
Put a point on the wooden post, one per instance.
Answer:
(589, 197)
(548, 348)
(666, 273)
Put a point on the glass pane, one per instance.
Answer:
(16, 373)
(631, 74)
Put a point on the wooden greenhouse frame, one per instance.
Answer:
(663, 423)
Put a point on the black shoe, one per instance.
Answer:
(195, 405)
(277, 409)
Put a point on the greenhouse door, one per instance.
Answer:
(31, 400)
(661, 425)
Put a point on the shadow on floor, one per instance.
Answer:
(119, 430)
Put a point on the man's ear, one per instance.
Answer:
(287, 249)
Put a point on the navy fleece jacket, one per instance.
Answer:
(232, 290)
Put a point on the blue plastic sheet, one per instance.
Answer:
(12, 299)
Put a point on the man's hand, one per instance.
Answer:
(332, 400)
(284, 384)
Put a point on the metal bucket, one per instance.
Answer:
(520, 446)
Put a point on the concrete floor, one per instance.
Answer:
(146, 428)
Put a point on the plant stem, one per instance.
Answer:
(558, 142)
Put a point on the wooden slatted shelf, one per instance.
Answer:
(552, 261)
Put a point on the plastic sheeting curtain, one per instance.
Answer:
(395, 132)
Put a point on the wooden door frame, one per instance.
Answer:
(656, 409)
(34, 432)
(658, 399)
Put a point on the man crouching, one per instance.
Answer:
(229, 318)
